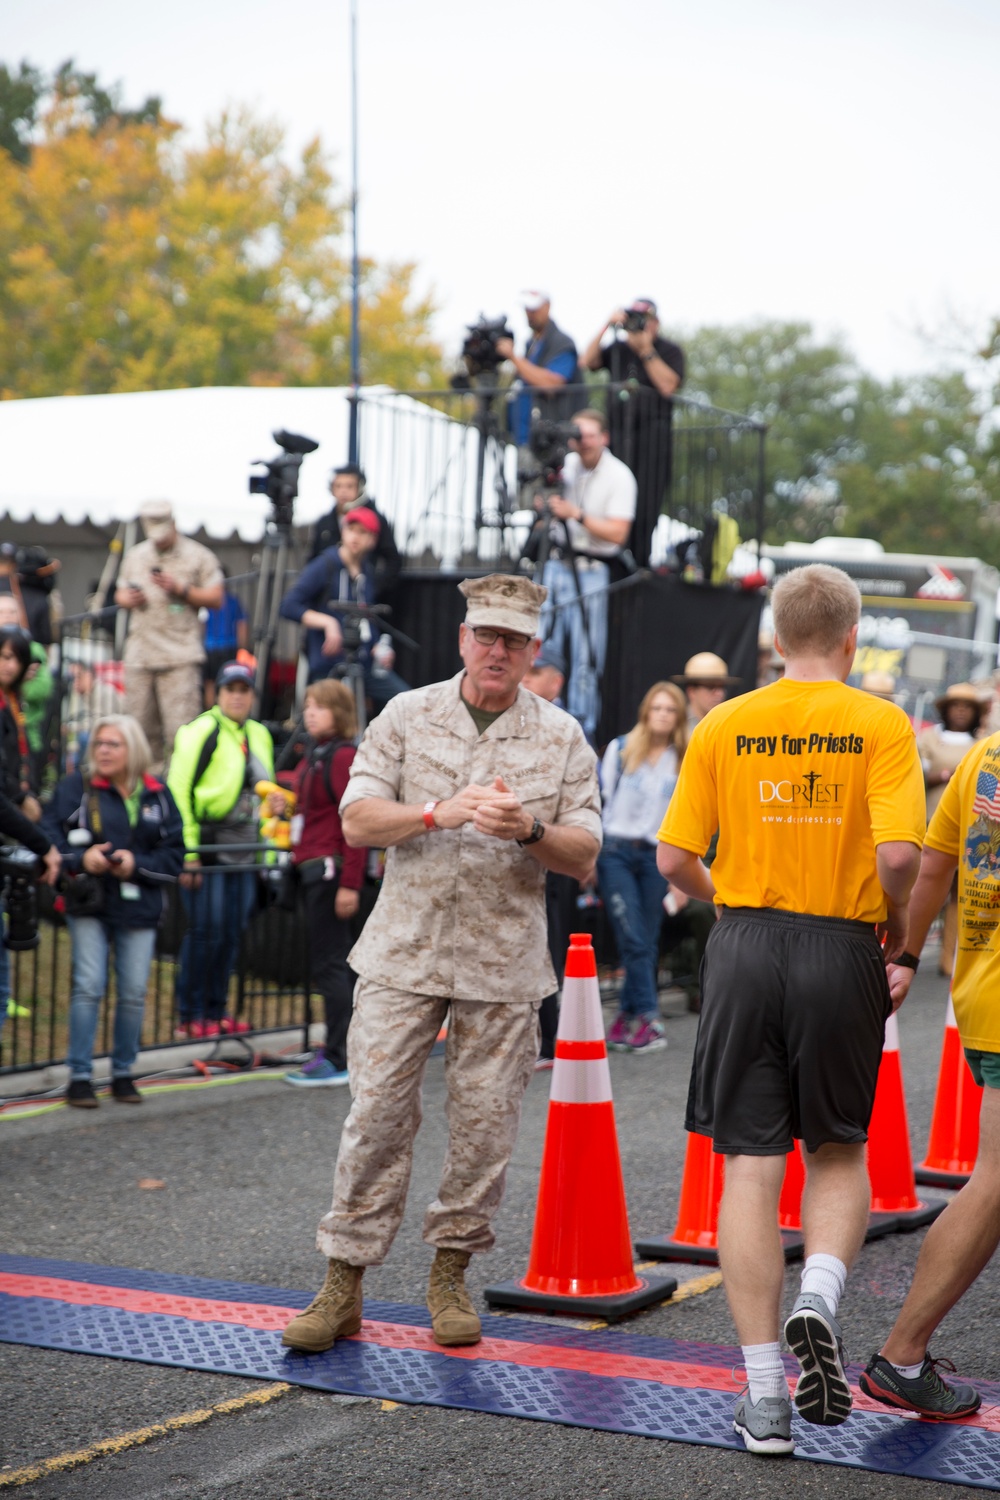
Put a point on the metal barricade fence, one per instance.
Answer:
(449, 465)
(269, 986)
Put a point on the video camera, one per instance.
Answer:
(549, 442)
(480, 348)
(281, 482)
(18, 881)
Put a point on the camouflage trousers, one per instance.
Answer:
(489, 1058)
(162, 699)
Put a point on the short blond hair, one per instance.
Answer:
(335, 695)
(139, 755)
(814, 609)
(591, 414)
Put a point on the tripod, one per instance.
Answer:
(536, 551)
(270, 583)
(350, 669)
(490, 439)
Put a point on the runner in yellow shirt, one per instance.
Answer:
(817, 793)
(964, 832)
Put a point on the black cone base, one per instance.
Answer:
(660, 1248)
(613, 1307)
(904, 1222)
(931, 1177)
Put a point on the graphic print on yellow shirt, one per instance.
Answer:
(966, 825)
(802, 780)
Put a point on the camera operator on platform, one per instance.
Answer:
(641, 428)
(550, 361)
(593, 518)
(347, 486)
(342, 575)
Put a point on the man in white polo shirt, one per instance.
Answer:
(593, 518)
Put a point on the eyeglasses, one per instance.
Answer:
(109, 745)
(511, 639)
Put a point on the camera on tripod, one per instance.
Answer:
(480, 348)
(281, 482)
(18, 882)
(549, 443)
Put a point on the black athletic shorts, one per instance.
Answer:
(793, 1012)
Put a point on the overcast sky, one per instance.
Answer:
(734, 161)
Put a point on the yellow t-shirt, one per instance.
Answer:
(803, 780)
(966, 824)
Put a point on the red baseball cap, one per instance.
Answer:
(363, 515)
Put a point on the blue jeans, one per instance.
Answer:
(633, 890)
(217, 914)
(91, 941)
(563, 628)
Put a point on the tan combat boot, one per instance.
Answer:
(334, 1313)
(453, 1317)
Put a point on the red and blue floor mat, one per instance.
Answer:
(618, 1382)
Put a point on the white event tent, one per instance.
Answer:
(97, 458)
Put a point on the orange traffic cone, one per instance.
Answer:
(954, 1139)
(581, 1252)
(894, 1202)
(695, 1237)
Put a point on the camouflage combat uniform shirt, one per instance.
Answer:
(167, 632)
(462, 914)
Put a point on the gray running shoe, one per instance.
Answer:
(822, 1395)
(766, 1425)
(927, 1393)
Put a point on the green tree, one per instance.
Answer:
(132, 260)
(910, 462)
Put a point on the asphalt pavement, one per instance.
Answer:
(247, 1172)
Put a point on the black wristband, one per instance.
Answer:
(907, 961)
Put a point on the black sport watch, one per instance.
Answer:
(537, 832)
(907, 961)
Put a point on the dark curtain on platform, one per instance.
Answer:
(656, 625)
(653, 627)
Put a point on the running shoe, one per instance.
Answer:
(926, 1393)
(822, 1394)
(229, 1025)
(199, 1030)
(619, 1032)
(318, 1074)
(649, 1036)
(765, 1425)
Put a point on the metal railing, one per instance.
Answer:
(269, 986)
(445, 465)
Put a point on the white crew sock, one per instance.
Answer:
(765, 1372)
(908, 1372)
(825, 1276)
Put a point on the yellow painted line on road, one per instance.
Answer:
(696, 1286)
(13, 1111)
(64, 1461)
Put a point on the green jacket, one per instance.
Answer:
(35, 695)
(222, 781)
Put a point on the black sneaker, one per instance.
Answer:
(822, 1394)
(80, 1094)
(125, 1091)
(927, 1393)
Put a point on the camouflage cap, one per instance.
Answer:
(506, 601)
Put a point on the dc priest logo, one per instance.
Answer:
(806, 791)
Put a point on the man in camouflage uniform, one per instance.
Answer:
(476, 787)
(164, 582)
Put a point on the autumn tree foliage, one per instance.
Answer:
(133, 259)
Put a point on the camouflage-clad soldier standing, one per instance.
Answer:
(476, 787)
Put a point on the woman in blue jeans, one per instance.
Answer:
(638, 776)
(122, 842)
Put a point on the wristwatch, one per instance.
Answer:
(537, 832)
(429, 822)
(907, 961)
(647, 357)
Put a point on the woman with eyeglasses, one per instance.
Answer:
(638, 776)
(122, 841)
